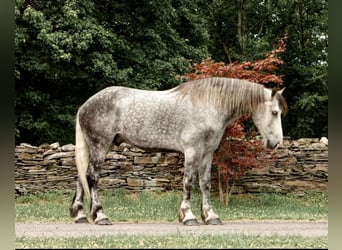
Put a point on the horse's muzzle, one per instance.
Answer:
(272, 145)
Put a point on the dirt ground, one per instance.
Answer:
(55, 229)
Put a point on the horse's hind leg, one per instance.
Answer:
(207, 213)
(96, 160)
(76, 208)
(185, 214)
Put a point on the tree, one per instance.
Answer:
(239, 151)
(241, 30)
(60, 51)
(67, 50)
(306, 68)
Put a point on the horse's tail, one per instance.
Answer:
(82, 157)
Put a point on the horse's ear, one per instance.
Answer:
(281, 91)
(274, 91)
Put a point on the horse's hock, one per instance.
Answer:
(300, 166)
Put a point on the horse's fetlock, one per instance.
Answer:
(180, 214)
(73, 212)
(95, 209)
(74, 209)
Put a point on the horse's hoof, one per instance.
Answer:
(216, 221)
(191, 222)
(104, 221)
(82, 220)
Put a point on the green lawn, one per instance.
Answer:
(162, 206)
(176, 241)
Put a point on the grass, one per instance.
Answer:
(120, 205)
(176, 241)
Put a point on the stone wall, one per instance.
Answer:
(300, 166)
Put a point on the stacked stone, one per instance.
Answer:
(135, 169)
(49, 167)
(44, 168)
(297, 166)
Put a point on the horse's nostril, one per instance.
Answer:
(272, 146)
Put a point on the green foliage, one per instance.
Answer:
(306, 67)
(66, 50)
(243, 30)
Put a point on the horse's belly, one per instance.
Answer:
(153, 137)
(152, 125)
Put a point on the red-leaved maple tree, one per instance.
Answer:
(240, 151)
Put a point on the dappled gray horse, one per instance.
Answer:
(190, 118)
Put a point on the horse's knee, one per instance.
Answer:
(190, 174)
(188, 180)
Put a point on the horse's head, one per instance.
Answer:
(267, 118)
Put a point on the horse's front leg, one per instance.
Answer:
(207, 213)
(185, 214)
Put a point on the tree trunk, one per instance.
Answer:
(221, 195)
(241, 24)
(226, 51)
(224, 196)
(229, 191)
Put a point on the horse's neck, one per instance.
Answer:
(231, 118)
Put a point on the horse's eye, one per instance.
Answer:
(274, 112)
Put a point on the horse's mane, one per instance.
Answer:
(232, 95)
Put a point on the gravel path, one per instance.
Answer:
(56, 229)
